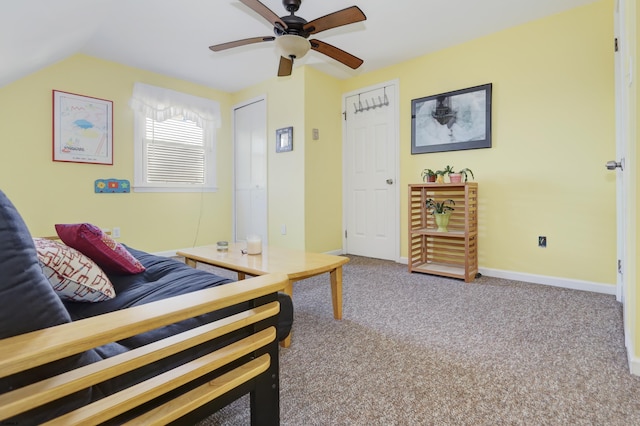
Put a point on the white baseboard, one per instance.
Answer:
(634, 361)
(168, 253)
(508, 275)
(338, 252)
(552, 281)
(544, 279)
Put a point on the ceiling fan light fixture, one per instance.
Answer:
(292, 46)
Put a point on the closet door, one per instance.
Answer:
(250, 169)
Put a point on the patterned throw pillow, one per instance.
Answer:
(72, 275)
(101, 248)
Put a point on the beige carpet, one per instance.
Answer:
(415, 349)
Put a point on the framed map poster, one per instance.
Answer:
(452, 121)
(82, 129)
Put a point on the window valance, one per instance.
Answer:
(162, 104)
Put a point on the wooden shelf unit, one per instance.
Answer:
(453, 253)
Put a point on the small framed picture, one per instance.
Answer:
(82, 129)
(284, 139)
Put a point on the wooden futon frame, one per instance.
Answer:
(182, 395)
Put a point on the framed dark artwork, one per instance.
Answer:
(82, 129)
(452, 121)
(284, 139)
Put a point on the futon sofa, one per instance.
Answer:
(163, 344)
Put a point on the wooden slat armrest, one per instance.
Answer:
(134, 396)
(199, 396)
(29, 350)
(40, 393)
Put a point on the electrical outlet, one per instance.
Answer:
(116, 232)
(542, 241)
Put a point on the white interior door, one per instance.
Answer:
(370, 170)
(250, 170)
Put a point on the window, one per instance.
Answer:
(174, 141)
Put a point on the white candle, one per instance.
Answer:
(254, 244)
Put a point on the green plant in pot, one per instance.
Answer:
(441, 173)
(428, 175)
(456, 177)
(441, 212)
(440, 176)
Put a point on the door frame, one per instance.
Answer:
(259, 98)
(396, 148)
(622, 146)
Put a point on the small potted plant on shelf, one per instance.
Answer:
(440, 175)
(428, 175)
(441, 212)
(456, 177)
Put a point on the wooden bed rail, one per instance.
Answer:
(253, 356)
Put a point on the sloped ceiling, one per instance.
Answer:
(171, 37)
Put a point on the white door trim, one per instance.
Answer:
(396, 178)
(233, 163)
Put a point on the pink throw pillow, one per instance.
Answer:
(101, 248)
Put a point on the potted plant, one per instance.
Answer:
(447, 171)
(428, 175)
(441, 212)
(456, 177)
(440, 175)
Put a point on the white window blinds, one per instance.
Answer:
(174, 140)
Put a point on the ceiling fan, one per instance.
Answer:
(292, 33)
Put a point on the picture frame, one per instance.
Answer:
(452, 121)
(82, 129)
(284, 139)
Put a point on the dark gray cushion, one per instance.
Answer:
(28, 303)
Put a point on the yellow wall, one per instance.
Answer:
(285, 107)
(553, 121)
(47, 192)
(553, 129)
(323, 162)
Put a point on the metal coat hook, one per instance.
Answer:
(379, 103)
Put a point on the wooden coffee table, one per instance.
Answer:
(297, 264)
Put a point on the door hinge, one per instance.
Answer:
(345, 233)
(615, 44)
(344, 114)
(619, 266)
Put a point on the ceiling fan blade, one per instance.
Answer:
(237, 43)
(336, 19)
(338, 54)
(265, 12)
(286, 65)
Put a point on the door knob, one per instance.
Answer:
(612, 165)
(390, 181)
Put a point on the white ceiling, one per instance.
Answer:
(171, 37)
